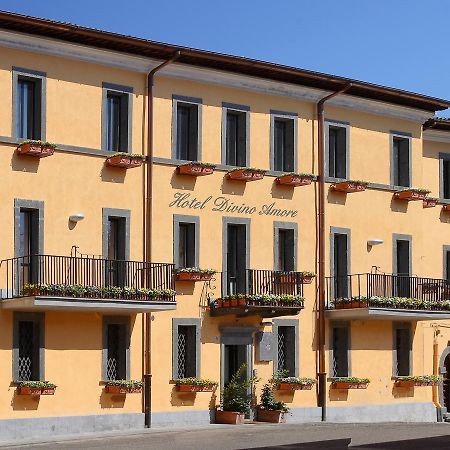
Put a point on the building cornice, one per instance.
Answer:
(436, 136)
(58, 48)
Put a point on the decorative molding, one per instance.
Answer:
(436, 136)
(127, 62)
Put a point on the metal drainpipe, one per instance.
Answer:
(322, 375)
(148, 236)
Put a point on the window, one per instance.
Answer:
(337, 151)
(29, 94)
(286, 250)
(402, 265)
(187, 130)
(28, 347)
(284, 144)
(447, 263)
(185, 241)
(402, 349)
(340, 241)
(286, 335)
(236, 138)
(340, 347)
(445, 175)
(186, 348)
(401, 161)
(29, 244)
(236, 269)
(116, 347)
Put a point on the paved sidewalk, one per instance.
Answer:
(391, 436)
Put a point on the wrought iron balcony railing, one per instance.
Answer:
(387, 291)
(85, 277)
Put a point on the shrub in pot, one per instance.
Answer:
(271, 410)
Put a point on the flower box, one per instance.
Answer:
(307, 278)
(229, 417)
(423, 380)
(30, 391)
(245, 175)
(349, 186)
(294, 387)
(430, 202)
(349, 385)
(125, 161)
(195, 169)
(294, 180)
(112, 389)
(359, 304)
(195, 388)
(272, 416)
(411, 195)
(342, 305)
(193, 276)
(36, 149)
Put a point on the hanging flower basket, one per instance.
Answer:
(124, 387)
(195, 385)
(294, 179)
(430, 202)
(350, 186)
(125, 160)
(38, 149)
(35, 388)
(194, 274)
(350, 383)
(196, 169)
(412, 194)
(307, 277)
(246, 174)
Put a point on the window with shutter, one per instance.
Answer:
(286, 349)
(117, 121)
(186, 251)
(29, 93)
(116, 347)
(401, 161)
(402, 351)
(185, 348)
(187, 131)
(286, 250)
(236, 138)
(236, 259)
(446, 178)
(340, 347)
(447, 266)
(340, 265)
(283, 142)
(337, 152)
(403, 267)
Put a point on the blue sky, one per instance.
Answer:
(398, 43)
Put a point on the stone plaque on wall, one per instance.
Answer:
(264, 346)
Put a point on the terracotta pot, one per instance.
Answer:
(29, 391)
(265, 415)
(194, 388)
(411, 383)
(219, 303)
(126, 162)
(233, 302)
(358, 304)
(347, 385)
(410, 195)
(429, 203)
(446, 208)
(122, 390)
(48, 391)
(348, 187)
(195, 170)
(294, 387)
(242, 302)
(307, 279)
(229, 417)
(226, 303)
(342, 305)
(294, 180)
(36, 150)
(193, 276)
(245, 175)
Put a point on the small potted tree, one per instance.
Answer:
(193, 384)
(271, 410)
(350, 186)
(193, 274)
(124, 387)
(236, 399)
(196, 169)
(412, 194)
(246, 174)
(125, 160)
(295, 179)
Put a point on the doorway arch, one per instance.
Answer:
(444, 387)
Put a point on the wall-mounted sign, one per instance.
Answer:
(224, 204)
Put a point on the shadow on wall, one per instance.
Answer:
(111, 401)
(182, 398)
(24, 163)
(24, 402)
(402, 392)
(444, 216)
(113, 174)
(338, 395)
(336, 198)
(400, 206)
(282, 192)
(184, 182)
(233, 187)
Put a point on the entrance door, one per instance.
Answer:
(236, 259)
(29, 245)
(403, 268)
(446, 383)
(116, 251)
(234, 357)
(340, 265)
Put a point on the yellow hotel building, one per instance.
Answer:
(91, 243)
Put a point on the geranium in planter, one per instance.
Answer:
(125, 160)
(423, 380)
(236, 399)
(271, 410)
(350, 186)
(194, 274)
(295, 179)
(261, 300)
(36, 388)
(342, 303)
(430, 202)
(124, 387)
(285, 383)
(307, 277)
(411, 194)
(350, 383)
(246, 174)
(196, 169)
(38, 149)
(193, 384)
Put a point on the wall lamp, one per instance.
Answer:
(76, 217)
(372, 242)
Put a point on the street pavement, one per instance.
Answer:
(389, 436)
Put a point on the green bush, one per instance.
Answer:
(235, 395)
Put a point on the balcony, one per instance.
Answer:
(46, 282)
(387, 297)
(264, 293)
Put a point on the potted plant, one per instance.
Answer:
(36, 388)
(284, 382)
(193, 274)
(123, 387)
(350, 186)
(295, 179)
(359, 302)
(342, 303)
(196, 169)
(38, 149)
(125, 160)
(236, 399)
(411, 194)
(423, 380)
(269, 409)
(193, 384)
(430, 202)
(307, 277)
(246, 174)
(350, 383)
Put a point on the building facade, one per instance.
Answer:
(86, 281)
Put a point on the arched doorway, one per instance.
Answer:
(444, 388)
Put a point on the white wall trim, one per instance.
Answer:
(134, 63)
